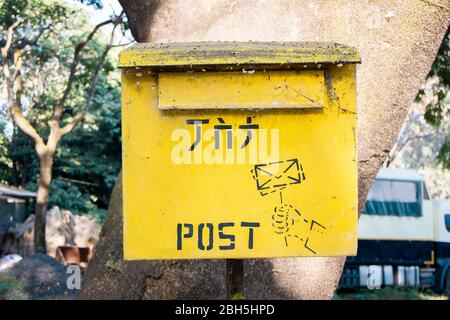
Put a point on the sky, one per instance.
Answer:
(109, 8)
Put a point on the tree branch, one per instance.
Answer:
(93, 82)
(9, 37)
(397, 149)
(22, 43)
(80, 182)
(98, 68)
(71, 125)
(17, 79)
(23, 124)
(4, 53)
(57, 113)
(14, 100)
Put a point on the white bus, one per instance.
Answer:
(404, 236)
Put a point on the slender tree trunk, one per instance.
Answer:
(44, 181)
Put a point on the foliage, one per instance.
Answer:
(6, 163)
(87, 159)
(418, 147)
(424, 142)
(96, 3)
(11, 289)
(5, 160)
(438, 109)
(32, 14)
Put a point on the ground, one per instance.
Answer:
(12, 289)
(388, 294)
(35, 277)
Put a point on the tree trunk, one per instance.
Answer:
(46, 151)
(44, 181)
(109, 277)
(388, 35)
(140, 16)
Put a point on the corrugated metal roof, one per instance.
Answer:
(15, 192)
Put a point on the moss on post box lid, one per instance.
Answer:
(236, 55)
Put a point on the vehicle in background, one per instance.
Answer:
(404, 236)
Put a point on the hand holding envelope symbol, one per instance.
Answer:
(287, 221)
(276, 176)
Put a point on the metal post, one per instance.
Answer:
(235, 279)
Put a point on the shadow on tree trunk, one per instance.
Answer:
(110, 277)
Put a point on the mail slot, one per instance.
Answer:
(239, 150)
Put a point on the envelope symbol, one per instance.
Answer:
(277, 175)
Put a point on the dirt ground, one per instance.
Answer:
(35, 277)
(41, 277)
(389, 294)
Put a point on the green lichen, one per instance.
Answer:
(114, 265)
(11, 289)
(238, 296)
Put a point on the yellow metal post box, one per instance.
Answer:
(239, 150)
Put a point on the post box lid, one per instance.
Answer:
(235, 55)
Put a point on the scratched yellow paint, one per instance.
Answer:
(229, 195)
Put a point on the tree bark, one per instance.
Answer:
(44, 181)
(46, 153)
(109, 277)
(140, 16)
(388, 35)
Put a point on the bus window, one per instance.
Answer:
(396, 198)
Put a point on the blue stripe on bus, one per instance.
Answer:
(393, 252)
